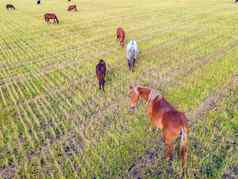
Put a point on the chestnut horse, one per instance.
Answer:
(121, 36)
(72, 7)
(51, 16)
(165, 117)
(10, 7)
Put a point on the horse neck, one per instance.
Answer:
(144, 93)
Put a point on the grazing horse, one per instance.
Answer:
(101, 73)
(10, 7)
(165, 117)
(132, 52)
(121, 36)
(72, 7)
(51, 16)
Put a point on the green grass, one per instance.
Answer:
(55, 123)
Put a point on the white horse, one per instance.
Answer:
(132, 52)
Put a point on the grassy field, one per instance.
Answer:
(55, 123)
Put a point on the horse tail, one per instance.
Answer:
(183, 151)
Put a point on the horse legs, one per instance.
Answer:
(133, 63)
(122, 44)
(169, 147)
(99, 84)
(103, 83)
(47, 20)
(129, 64)
(117, 36)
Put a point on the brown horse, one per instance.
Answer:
(10, 7)
(121, 36)
(165, 117)
(101, 73)
(51, 16)
(72, 8)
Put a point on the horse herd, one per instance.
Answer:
(49, 17)
(162, 114)
(132, 52)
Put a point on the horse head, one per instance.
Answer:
(101, 61)
(134, 97)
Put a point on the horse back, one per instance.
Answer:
(132, 50)
(101, 70)
(10, 6)
(167, 115)
(132, 44)
(71, 7)
(174, 120)
(162, 104)
(50, 15)
(120, 32)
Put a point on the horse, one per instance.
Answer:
(165, 117)
(10, 7)
(120, 33)
(132, 52)
(101, 73)
(72, 7)
(49, 16)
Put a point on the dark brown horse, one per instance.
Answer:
(121, 36)
(101, 73)
(165, 117)
(72, 8)
(51, 16)
(10, 7)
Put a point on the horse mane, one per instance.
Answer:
(152, 95)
